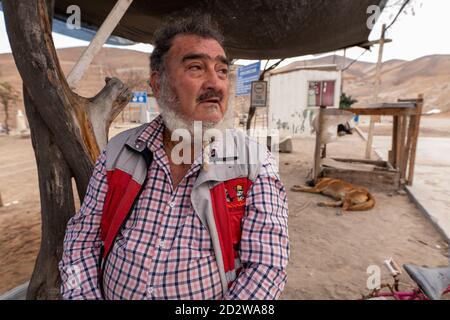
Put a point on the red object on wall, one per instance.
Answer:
(327, 93)
(324, 93)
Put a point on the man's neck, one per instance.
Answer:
(177, 170)
(169, 145)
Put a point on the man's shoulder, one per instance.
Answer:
(131, 136)
(123, 136)
(241, 137)
(254, 153)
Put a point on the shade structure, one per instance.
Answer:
(253, 29)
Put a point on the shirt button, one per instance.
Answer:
(161, 244)
(171, 204)
(150, 290)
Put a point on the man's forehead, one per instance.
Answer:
(185, 45)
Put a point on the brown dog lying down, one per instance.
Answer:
(348, 196)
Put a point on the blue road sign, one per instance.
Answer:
(245, 76)
(139, 97)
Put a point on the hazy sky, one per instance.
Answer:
(425, 33)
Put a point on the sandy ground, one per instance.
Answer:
(432, 170)
(20, 224)
(329, 253)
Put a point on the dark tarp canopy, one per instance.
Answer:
(253, 29)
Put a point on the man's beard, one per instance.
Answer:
(170, 109)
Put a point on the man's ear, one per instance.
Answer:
(155, 78)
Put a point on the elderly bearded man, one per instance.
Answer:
(153, 228)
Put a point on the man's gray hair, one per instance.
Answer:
(201, 26)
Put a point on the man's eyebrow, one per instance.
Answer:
(224, 60)
(191, 56)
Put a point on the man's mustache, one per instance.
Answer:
(211, 93)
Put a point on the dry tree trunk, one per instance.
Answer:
(57, 204)
(68, 131)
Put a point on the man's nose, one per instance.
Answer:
(213, 81)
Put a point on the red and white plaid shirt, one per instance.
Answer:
(164, 251)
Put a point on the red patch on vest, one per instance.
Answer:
(228, 202)
(236, 193)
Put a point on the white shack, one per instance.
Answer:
(295, 94)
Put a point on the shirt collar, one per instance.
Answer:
(152, 135)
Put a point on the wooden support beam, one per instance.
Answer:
(393, 159)
(402, 156)
(415, 138)
(108, 26)
(411, 127)
(372, 43)
(398, 142)
(384, 111)
(317, 151)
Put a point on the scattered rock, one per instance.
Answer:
(422, 242)
(11, 203)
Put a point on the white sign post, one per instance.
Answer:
(258, 98)
(259, 94)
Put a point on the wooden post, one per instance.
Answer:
(397, 146)
(402, 155)
(108, 26)
(412, 158)
(393, 154)
(410, 135)
(376, 91)
(317, 153)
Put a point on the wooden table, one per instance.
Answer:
(406, 115)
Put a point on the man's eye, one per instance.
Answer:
(195, 67)
(223, 71)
